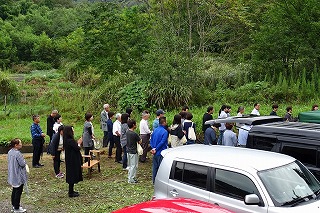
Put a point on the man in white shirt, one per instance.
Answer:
(256, 109)
(243, 135)
(144, 134)
(116, 131)
(223, 114)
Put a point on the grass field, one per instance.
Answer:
(104, 192)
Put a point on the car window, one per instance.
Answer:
(264, 143)
(233, 184)
(307, 155)
(288, 183)
(178, 171)
(192, 174)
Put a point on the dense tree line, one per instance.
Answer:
(171, 52)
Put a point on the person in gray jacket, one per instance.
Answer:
(17, 174)
(104, 117)
(88, 134)
(123, 138)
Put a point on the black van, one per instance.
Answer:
(297, 139)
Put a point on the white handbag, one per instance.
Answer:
(139, 149)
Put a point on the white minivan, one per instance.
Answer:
(238, 179)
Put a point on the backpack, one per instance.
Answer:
(191, 133)
(52, 145)
(50, 149)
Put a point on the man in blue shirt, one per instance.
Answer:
(37, 141)
(210, 136)
(160, 113)
(158, 142)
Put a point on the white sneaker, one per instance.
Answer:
(60, 175)
(18, 210)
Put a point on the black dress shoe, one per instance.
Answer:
(40, 164)
(36, 166)
(74, 194)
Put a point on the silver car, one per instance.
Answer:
(238, 179)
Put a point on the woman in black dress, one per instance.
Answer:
(73, 160)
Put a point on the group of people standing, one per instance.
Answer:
(121, 135)
(230, 136)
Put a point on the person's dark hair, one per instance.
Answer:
(275, 106)
(67, 134)
(177, 119)
(240, 108)
(185, 107)
(129, 111)
(189, 116)
(60, 128)
(131, 123)
(314, 106)
(229, 126)
(183, 114)
(110, 114)
(222, 109)
(217, 125)
(14, 142)
(289, 108)
(87, 116)
(162, 120)
(228, 107)
(255, 104)
(209, 108)
(56, 117)
(124, 118)
(34, 117)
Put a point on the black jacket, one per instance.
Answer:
(53, 146)
(73, 161)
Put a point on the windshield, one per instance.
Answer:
(288, 183)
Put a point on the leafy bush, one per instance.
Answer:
(72, 71)
(108, 90)
(134, 95)
(8, 87)
(38, 65)
(21, 68)
(88, 78)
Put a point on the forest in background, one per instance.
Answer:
(147, 54)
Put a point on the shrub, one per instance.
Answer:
(8, 87)
(38, 65)
(134, 95)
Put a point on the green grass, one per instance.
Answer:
(104, 192)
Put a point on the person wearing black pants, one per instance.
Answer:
(118, 157)
(16, 196)
(17, 174)
(88, 135)
(37, 141)
(116, 131)
(110, 134)
(57, 146)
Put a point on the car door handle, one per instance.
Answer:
(216, 204)
(174, 193)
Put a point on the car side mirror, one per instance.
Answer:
(252, 199)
